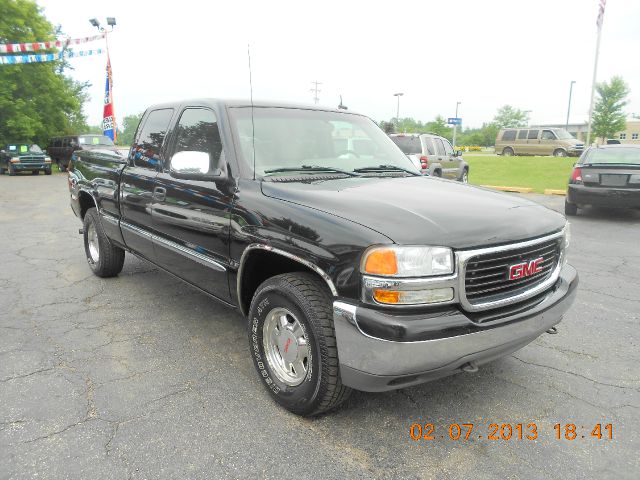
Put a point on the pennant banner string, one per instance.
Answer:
(46, 57)
(35, 46)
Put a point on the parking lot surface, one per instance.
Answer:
(142, 376)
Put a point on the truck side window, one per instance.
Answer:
(533, 134)
(197, 131)
(522, 134)
(439, 146)
(145, 151)
(448, 149)
(548, 135)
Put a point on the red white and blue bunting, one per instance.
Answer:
(35, 46)
(46, 57)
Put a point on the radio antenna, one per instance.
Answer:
(253, 125)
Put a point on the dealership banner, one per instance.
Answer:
(108, 117)
(35, 46)
(46, 57)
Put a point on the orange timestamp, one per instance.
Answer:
(507, 431)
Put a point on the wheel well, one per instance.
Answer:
(259, 266)
(86, 202)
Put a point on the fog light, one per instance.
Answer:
(412, 297)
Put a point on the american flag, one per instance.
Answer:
(108, 117)
(601, 12)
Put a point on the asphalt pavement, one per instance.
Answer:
(142, 376)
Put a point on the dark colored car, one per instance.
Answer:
(605, 176)
(61, 148)
(345, 280)
(24, 157)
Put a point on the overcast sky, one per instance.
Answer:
(482, 53)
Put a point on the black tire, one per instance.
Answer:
(35, 172)
(508, 152)
(464, 178)
(308, 300)
(570, 209)
(559, 152)
(47, 171)
(2, 169)
(437, 173)
(61, 167)
(109, 259)
(12, 171)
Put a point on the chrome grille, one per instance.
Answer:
(486, 277)
(31, 159)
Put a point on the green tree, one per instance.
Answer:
(37, 101)
(439, 127)
(129, 124)
(608, 116)
(510, 117)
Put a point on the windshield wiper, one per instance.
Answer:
(312, 168)
(385, 168)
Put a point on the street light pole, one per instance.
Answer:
(455, 125)
(398, 95)
(566, 125)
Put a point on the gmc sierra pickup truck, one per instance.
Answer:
(353, 270)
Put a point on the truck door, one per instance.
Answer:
(138, 182)
(192, 217)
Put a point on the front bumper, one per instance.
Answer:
(20, 167)
(603, 196)
(453, 340)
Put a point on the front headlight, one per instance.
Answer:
(47, 160)
(407, 261)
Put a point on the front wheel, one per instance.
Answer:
(104, 258)
(35, 172)
(559, 152)
(464, 178)
(293, 345)
(12, 170)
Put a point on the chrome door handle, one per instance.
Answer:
(159, 194)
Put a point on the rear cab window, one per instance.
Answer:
(409, 145)
(146, 150)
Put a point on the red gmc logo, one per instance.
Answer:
(525, 269)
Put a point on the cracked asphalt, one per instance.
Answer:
(141, 376)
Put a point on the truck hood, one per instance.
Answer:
(424, 210)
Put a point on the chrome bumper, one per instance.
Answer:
(374, 364)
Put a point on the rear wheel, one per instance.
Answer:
(507, 152)
(570, 208)
(559, 152)
(464, 178)
(437, 173)
(104, 258)
(293, 345)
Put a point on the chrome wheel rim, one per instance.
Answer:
(465, 178)
(286, 346)
(92, 242)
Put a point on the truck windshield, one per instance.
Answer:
(24, 148)
(562, 134)
(95, 140)
(289, 138)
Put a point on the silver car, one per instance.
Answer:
(433, 155)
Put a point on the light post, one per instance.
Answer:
(398, 95)
(566, 125)
(526, 114)
(455, 125)
(109, 127)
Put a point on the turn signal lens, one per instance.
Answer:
(15, 160)
(386, 296)
(413, 297)
(381, 262)
(576, 175)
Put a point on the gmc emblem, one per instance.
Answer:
(525, 269)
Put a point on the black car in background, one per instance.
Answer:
(605, 176)
(61, 149)
(24, 157)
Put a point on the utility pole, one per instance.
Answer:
(315, 91)
(566, 125)
(455, 125)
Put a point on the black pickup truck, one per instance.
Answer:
(353, 270)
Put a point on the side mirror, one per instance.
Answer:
(458, 153)
(194, 166)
